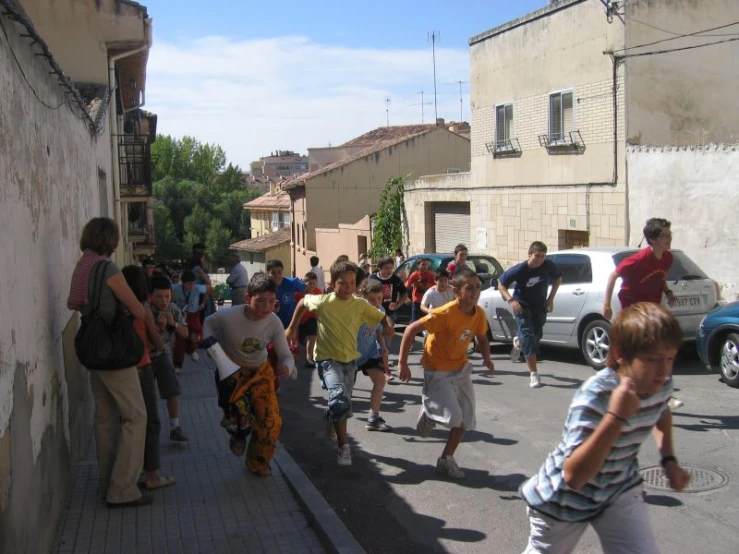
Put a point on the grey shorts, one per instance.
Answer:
(169, 386)
(449, 397)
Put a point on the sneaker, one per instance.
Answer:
(194, 356)
(424, 425)
(675, 404)
(177, 370)
(516, 350)
(535, 381)
(310, 364)
(446, 465)
(377, 424)
(344, 455)
(177, 435)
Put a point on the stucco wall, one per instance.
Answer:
(682, 97)
(49, 173)
(344, 239)
(695, 188)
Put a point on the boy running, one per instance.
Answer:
(248, 397)
(308, 326)
(340, 315)
(171, 323)
(287, 289)
(592, 477)
(190, 298)
(393, 296)
(460, 259)
(448, 397)
(438, 295)
(419, 282)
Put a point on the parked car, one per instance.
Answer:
(488, 269)
(577, 321)
(718, 342)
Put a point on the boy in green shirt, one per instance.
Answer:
(340, 315)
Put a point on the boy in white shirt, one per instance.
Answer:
(438, 295)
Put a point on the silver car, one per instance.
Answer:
(577, 320)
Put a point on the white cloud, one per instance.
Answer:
(291, 93)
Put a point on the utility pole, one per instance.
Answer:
(387, 111)
(434, 36)
(422, 105)
(461, 104)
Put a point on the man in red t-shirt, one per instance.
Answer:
(644, 275)
(420, 281)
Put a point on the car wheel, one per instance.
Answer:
(730, 360)
(595, 343)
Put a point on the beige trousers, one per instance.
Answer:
(120, 430)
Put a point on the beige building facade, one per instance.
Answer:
(270, 212)
(347, 191)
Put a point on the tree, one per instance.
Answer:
(169, 246)
(217, 240)
(388, 222)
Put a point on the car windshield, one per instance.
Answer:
(682, 269)
(488, 266)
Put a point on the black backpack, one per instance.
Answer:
(103, 345)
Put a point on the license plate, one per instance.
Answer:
(688, 302)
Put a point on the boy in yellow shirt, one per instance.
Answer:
(340, 315)
(448, 397)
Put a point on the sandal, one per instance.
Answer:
(237, 446)
(160, 483)
(143, 500)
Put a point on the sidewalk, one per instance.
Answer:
(216, 506)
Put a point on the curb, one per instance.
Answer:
(330, 529)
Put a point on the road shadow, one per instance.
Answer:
(662, 500)
(440, 435)
(705, 422)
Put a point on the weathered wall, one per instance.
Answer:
(49, 188)
(695, 188)
(681, 98)
(344, 239)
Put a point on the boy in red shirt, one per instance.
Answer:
(644, 275)
(308, 326)
(420, 281)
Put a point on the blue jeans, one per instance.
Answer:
(416, 312)
(338, 379)
(530, 329)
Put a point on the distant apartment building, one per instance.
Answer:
(280, 164)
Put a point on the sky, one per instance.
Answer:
(258, 76)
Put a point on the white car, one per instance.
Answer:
(577, 320)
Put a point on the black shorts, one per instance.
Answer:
(308, 329)
(372, 363)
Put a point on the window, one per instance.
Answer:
(575, 268)
(503, 126)
(561, 116)
(449, 170)
(281, 220)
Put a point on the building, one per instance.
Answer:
(256, 251)
(280, 164)
(71, 71)
(552, 118)
(270, 212)
(346, 191)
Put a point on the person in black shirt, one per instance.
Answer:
(394, 295)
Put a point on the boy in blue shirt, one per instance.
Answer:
(287, 289)
(530, 302)
(592, 476)
(190, 298)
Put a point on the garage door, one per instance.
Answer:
(451, 225)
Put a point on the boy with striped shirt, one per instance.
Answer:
(592, 476)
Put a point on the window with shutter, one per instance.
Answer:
(503, 125)
(561, 116)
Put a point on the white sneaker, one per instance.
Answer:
(344, 455)
(194, 356)
(516, 350)
(675, 404)
(535, 381)
(448, 466)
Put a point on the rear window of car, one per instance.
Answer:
(575, 268)
(683, 268)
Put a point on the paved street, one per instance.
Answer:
(392, 500)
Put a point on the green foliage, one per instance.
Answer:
(199, 199)
(387, 233)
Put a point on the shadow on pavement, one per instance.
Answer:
(662, 500)
(706, 422)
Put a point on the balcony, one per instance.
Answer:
(135, 165)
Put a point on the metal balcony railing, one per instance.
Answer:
(135, 165)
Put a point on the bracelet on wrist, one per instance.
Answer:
(606, 306)
(666, 460)
(618, 417)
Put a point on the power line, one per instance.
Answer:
(655, 52)
(678, 36)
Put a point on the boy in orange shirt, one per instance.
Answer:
(448, 397)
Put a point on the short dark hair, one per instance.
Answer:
(342, 258)
(341, 267)
(461, 275)
(442, 273)
(310, 275)
(147, 261)
(654, 227)
(460, 248)
(260, 282)
(361, 274)
(160, 282)
(399, 251)
(384, 261)
(424, 260)
(639, 328)
(136, 278)
(537, 246)
(314, 261)
(274, 262)
(370, 286)
(101, 235)
(187, 276)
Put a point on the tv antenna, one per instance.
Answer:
(387, 110)
(433, 37)
(422, 104)
(460, 83)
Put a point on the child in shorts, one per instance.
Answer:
(340, 315)
(190, 298)
(448, 397)
(592, 476)
(308, 326)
